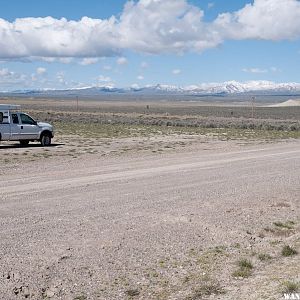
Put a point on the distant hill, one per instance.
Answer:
(287, 103)
(205, 89)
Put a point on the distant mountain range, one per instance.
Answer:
(205, 89)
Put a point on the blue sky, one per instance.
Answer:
(174, 42)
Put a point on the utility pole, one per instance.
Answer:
(252, 105)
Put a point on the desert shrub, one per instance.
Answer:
(288, 251)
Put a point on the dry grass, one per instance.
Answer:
(244, 270)
(264, 257)
(98, 130)
(132, 293)
(288, 251)
(206, 289)
(289, 287)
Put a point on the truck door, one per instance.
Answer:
(15, 127)
(29, 129)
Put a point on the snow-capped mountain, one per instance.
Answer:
(229, 87)
(234, 87)
(225, 88)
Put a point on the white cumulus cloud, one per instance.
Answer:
(122, 61)
(89, 61)
(107, 68)
(102, 78)
(264, 19)
(63, 60)
(255, 70)
(10, 78)
(261, 71)
(274, 70)
(135, 86)
(146, 26)
(50, 37)
(41, 71)
(60, 77)
(176, 72)
(164, 26)
(6, 73)
(210, 5)
(144, 65)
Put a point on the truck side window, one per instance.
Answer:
(25, 119)
(15, 118)
(1, 117)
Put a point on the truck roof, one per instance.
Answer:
(9, 107)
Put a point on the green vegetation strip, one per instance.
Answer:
(98, 130)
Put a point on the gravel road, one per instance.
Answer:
(101, 228)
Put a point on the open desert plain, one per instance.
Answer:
(150, 150)
(152, 200)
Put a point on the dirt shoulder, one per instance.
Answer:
(204, 220)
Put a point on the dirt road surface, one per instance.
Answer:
(129, 227)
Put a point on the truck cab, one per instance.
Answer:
(19, 126)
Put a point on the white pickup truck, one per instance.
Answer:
(18, 126)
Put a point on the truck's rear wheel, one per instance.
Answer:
(24, 143)
(46, 140)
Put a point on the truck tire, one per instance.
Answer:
(45, 139)
(24, 143)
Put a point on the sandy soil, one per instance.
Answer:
(287, 103)
(171, 224)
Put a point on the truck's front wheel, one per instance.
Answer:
(46, 140)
